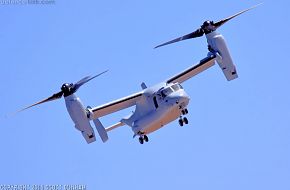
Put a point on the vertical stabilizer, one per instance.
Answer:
(101, 130)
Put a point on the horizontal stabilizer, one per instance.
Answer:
(119, 124)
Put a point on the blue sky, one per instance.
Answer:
(238, 137)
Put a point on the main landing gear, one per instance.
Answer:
(143, 138)
(183, 120)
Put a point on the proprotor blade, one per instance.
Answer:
(85, 80)
(194, 34)
(223, 21)
(204, 28)
(51, 98)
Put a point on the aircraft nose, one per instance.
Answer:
(182, 98)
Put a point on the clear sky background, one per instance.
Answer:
(239, 132)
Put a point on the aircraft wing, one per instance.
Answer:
(116, 105)
(194, 70)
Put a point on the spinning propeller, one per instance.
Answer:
(66, 90)
(206, 28)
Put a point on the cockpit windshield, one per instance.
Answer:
(166, 91)
(176, 87)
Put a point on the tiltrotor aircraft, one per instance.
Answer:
(157, 105)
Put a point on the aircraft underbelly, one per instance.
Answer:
(164, 117)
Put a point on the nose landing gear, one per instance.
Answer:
(183, 120)
(184, 111)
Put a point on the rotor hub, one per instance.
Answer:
(67, 89)
(208, 27)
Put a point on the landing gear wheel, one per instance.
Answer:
(146, 138)
(180, 121)
(141, 140)
(183, 112)
(185, 120)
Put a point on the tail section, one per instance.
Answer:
(99, 126)
(119, 124)
(101, 130)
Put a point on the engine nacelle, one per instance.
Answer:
(218, 46)
(78, 114)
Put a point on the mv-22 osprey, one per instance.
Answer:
(155, 106)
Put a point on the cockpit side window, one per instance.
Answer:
(165, 92)
(175, 87)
